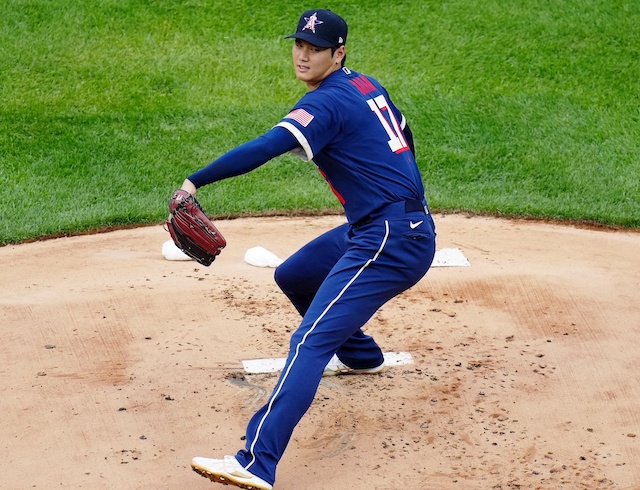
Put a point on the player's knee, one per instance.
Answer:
(282, 277)
(290, 280)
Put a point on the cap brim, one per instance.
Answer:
(311, 39)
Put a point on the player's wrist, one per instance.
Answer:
(189, 186)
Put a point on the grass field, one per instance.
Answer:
(523, 108)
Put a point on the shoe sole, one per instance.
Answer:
(351, 372)
(225, 480)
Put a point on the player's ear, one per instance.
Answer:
(340, 54)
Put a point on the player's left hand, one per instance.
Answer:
(191, 230)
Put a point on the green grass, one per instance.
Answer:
(523, 108)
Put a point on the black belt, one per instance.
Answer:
(410, 205)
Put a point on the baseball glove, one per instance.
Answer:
(191, 230)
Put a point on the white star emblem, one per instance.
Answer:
(312, 22)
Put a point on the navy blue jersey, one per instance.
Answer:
(352, 131)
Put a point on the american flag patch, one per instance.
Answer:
(301, 116)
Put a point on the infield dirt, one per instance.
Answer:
(119, 366)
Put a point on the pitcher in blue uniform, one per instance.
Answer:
(348, 126)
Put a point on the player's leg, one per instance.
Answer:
(359, 354)
(356, 352)
(380, 263)
(300, 276)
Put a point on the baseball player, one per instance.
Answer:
(349, 127)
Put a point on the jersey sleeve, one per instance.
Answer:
(314, 122)
(245, 158)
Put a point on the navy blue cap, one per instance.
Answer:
(322, 28)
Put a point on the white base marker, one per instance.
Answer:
(450, 257)
(259, 366)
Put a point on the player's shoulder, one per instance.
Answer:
(330, 91)
(338, 89)
(341, 77)
(354, 79)
(341, 84)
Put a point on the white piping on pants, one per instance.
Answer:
(322, 315)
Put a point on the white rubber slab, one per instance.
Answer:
(258, 366)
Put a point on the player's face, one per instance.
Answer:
(313, 64)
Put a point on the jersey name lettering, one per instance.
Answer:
(363, 84)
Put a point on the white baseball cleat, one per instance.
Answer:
(336, 367)
(228, 472)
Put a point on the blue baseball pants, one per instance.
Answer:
(337, 282)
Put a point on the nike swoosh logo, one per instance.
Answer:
(413, 225)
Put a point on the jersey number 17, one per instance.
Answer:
(397, 141)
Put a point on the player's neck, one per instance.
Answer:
(312, 85)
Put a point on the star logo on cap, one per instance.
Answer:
(312, 22)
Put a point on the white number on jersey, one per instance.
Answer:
(397, 142)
